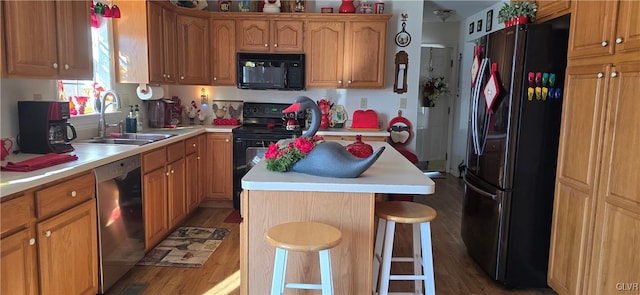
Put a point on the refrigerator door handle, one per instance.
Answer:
(480, 191)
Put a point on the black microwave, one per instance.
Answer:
(270, 71)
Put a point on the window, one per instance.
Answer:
(83, 94)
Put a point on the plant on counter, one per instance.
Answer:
(282, 157)
(433, 88)
(517, 13)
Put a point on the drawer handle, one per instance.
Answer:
(47, 233)
(74, 194)
(32, 241)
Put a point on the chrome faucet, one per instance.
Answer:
(102, 122)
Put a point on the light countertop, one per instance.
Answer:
(352, 132)
(392, 173)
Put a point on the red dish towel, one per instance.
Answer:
(40, 162)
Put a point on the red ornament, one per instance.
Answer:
(359, 148)
(347, 7)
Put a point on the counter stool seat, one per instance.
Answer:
(388, 214)
(302, 237)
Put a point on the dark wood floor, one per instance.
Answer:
(455, 273)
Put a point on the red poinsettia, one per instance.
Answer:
(281, 157)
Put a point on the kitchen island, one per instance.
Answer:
(271, 198)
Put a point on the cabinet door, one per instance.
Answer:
(202, 166)
(578, 158)
(156, 42)
(18, 264)
(191, 181)
(365, 54)
(287, 36)
(628, 31)
(154, 200)
(324, 49)
(223, 47)
(593, 25)
(176, 189)
(67, 248)
(193, 50)
(31, 47)
(615, 258)
(75, 58)
(549, 9)
(253, 35)
(219, 166)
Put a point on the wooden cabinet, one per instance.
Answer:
(67, 251)
(219, 166)
(264, 35)
(550, 9)
(603, 28)
(176, 183)
(154, 200)
(223, 52)
(162, 44)
(194, 165)
(346, 54)
(194, 66)
(49, 239)
(48, 39)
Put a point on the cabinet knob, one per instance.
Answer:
(55, 65)
(226, 140)
(349, 82)
(600, 75)
(266, 45)
(164, 75)
(167, 173)
(194, 145)
(47, 233)
(339, 81)
(619, 40)
(614, 74)
(215, 78)
(275, 45)
(198, 158)
(168, 76)
(74, 194)
(604, 43)
(32, 241)
(181, 77)
(66, 66)
(173, 171)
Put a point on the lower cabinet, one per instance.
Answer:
(219, 167)
(50, 249)
(154, 202)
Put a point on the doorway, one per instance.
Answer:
(432, 136)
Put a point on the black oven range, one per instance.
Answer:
(263, 123)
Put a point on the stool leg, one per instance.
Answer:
(387, 249)
(417, 258)
(325, 272)
(427, 258)
(377, 253)
(279, 272)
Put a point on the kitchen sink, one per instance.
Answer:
(129, 138)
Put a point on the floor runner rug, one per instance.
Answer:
(186, 247)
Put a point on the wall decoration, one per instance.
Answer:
(489, 20)
(471, 28)
(403, 38)
(402, 64)
(479, 26)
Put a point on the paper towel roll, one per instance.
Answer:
(153, 92)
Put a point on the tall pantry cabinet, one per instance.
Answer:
(596, 221)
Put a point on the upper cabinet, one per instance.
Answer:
(223, 52)
(262, 35)
(162, 44)
(601, 28)
(346, 54)
(48, 39)
(550, 9)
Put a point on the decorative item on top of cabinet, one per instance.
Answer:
(263, 35)
(604, 28)
(63, 49)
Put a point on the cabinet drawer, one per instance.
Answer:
(154, 159)
(65, 195)
(16, 213)
(175, 151)
(191, 145)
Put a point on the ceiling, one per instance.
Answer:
(463, 9)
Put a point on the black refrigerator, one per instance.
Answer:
(512, 150)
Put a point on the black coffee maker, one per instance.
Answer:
(43, 127)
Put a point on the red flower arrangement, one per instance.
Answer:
(282, 157)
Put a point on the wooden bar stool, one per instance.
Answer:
(302, 237)
(390, 213)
